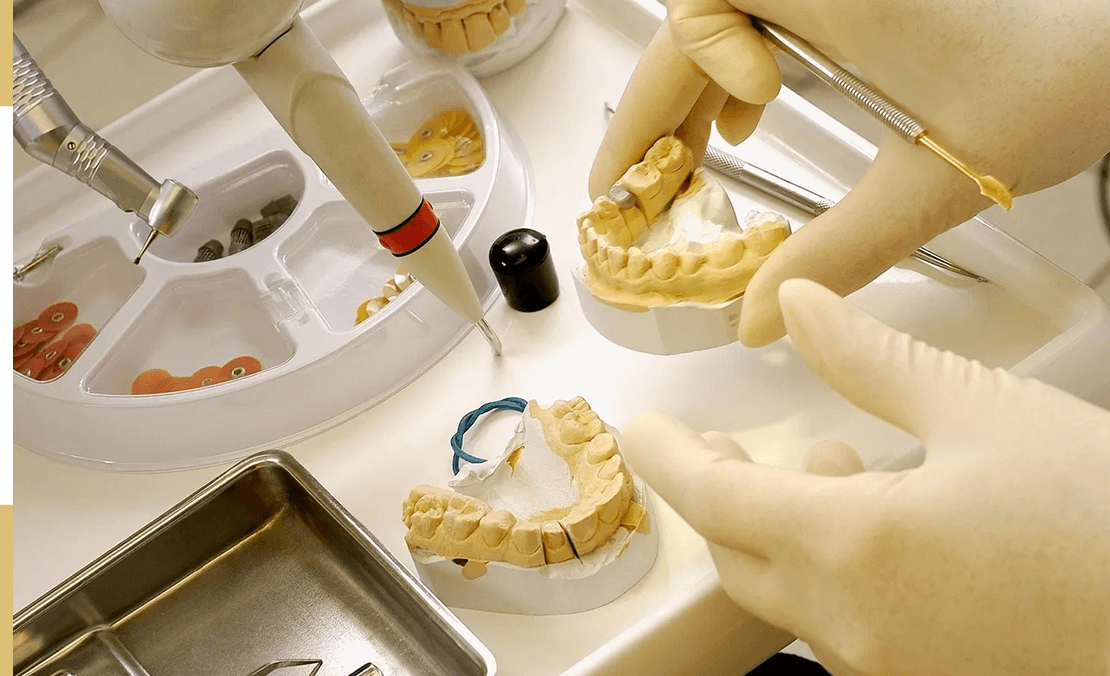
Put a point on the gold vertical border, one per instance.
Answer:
(9, 17)
(6, 14)
(6, 567)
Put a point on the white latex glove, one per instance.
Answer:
(1018, 89)
(991, 558)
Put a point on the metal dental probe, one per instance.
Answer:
(795, 195)
(876, 104)
(49, 131)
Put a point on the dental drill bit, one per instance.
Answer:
(876, 104)
(791, 193)
(46, 127)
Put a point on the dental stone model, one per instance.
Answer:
(563, 493)
(673, 237)
(460, 28)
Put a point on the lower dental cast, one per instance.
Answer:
(467, 529)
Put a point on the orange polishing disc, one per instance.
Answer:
(151, 381)
(240, 367)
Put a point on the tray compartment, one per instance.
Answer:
(400, 108)
(239, 193)
(97, 277)
(337, 260)
(195, 322)
(261, 565)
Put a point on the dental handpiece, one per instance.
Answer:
(312, 99)
(46, 127)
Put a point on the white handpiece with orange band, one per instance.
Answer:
(310, 97)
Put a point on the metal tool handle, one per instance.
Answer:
(47, 128)
(766, 182)
(840, 79)
(806, 200)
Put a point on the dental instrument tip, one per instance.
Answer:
(490, 336)
(146, 245)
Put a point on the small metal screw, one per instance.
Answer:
(71, 145)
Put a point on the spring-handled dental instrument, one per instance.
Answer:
(49, 131)
(893, 117)
(795, 195)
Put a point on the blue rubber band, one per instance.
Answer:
(468, 420)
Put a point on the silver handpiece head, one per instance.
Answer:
(174, 205)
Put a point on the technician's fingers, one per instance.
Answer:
(906, 382)
(749, 579)
(658, 97)
(738, 120)
(834, 458)
(732, 502)
(698, 125)
(907, 197)
(725, 445)
(723, 42)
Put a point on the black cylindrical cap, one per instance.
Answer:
(521, 262)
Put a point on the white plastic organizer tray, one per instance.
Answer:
(289, 301)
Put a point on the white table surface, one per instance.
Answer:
(677, 619)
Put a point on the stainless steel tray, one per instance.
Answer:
(259, 566)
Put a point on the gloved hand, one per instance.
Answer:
(1017, 89)
(991, 558)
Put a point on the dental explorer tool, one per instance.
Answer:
(876, 104)
(49, 131)
(795, 195)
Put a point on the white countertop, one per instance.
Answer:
(677, 619)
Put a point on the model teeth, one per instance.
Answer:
(469, 26)
(610, 468)
(556, 546)
(655, 181)
(526, 538)
(581, 525)
(611, 505)
(638, 263)
(479, 31)
(664, 264)
(763, 239)
(459, 526)
(561, 408)
(724, 254)
(494, 526)
(690, 262)
(618, 258)
(499, 19)
(572, 432)
(685, 264)
(601, 448)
